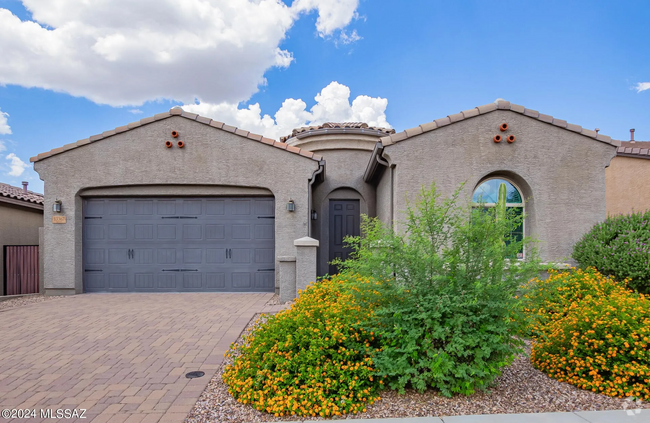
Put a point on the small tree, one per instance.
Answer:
(448, 298)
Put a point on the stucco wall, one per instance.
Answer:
(628, 185)
(139, 158)
(343, 181)
(18, 226)
(561, 173)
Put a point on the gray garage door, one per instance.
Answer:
(179, 244)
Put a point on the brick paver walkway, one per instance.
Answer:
(123, 357)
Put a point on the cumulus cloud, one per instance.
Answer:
(4, 126)
(16, 166)
(125, 53)
(642, 86)
(332, 105)
(3, 147)
(135, 111)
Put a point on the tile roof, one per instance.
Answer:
(16, 193)
(177, 111)
(487, 108)
(640, 149)
(351, 127)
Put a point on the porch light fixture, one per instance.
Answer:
(314, 215)
(291, 206)
(56, 207)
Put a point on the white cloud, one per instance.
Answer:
(126, 52)
(332, 14)
(135, 111)
(332, 105)
(642, 86)
(353, 37)
(2, 146)
(17, 166)
(4, 126)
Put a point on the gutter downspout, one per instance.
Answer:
(384, 162)
(321, 168)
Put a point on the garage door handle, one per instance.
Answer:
(266, 217)
(180, 217)
(264, 270)
(93, 270)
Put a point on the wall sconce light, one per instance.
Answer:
(314, 215)
(291, 206)
(56, 207)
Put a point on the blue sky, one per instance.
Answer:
(415, 61)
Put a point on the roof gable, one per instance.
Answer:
(181, 113)
(487, 108)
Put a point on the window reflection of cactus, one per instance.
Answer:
(488, 194)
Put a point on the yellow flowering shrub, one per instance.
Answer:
(308, 360)
(591, 332)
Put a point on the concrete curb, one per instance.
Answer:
(610, 416)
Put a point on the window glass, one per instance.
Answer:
(488, 192)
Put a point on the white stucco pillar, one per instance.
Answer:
(306, 249)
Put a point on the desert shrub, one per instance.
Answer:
(445, 314)
(310, 359)
(591, 332)
(620, 246)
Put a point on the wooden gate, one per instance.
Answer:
(21, 269)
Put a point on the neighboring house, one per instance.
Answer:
(628, 178)
(21, 216)
(233, 211)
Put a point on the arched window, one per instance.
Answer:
(487, 195)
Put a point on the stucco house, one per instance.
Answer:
(180, 202)
(627, 177)
(21, 216)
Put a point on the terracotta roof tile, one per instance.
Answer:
(487, 108)
(469, 113)
(351, 127)
(177, 111)
(640, 149)
(16, 193)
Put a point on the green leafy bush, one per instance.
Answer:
(620, 246)
(446, 315)
(309, 360)
(591, 332)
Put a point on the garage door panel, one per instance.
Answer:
(192, 232)
(117, 255)
(241, 280)
(166, 256)
(215, 280)
(215, 207)
(143, 231)
(118, 280)
(193, 281)
(265, 280)
(166, 281)
(144, 281)
(166, 232)
(181, 244)
(192, 255)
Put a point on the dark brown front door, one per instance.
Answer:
(344, 221)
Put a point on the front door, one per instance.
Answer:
(344, 221)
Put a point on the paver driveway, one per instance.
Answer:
(123, 357)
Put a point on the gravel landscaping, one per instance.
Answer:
(27, 300)
(520, 389)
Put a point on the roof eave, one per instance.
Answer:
(181, 113)
(491, 107)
